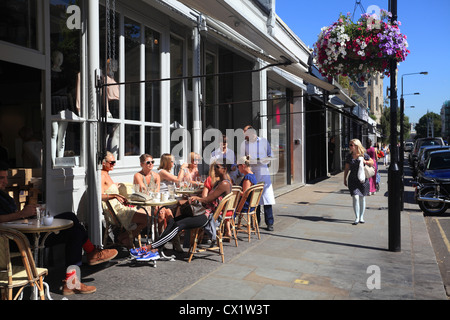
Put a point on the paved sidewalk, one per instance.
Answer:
(315, 253)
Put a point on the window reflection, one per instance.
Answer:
(66, 100)
(132, 68)
(152, 71)
(18, 22)
(132, 140)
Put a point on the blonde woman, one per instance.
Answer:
(191, 172)
(358, 190)
(166, 177)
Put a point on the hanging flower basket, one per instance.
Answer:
(360, 49)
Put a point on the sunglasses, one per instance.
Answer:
(351, 145)
(112, 162)
(148, 162)
(218, 166)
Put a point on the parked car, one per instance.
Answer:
(433, 183)
(423, 142)
(423, 155)
(409, 146)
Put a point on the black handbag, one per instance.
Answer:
(192, 209)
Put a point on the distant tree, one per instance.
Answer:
(422, 128)
(385, 123)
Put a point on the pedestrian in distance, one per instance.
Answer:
(358, 190)
(372, 152)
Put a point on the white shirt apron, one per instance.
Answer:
(260, 149)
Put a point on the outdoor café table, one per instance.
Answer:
(153, 203)
(31, 226)
(189, 192)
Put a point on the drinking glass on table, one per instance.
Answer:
(171, 188)
(40, 212)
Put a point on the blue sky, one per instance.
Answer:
(425, 23)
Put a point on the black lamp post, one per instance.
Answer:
(394, 176)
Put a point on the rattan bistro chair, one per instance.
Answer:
(230, 214)
(18, 275)
(247, 221)
(196, 233)
(114, 227)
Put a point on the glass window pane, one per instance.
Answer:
(18, 22)
(66, 100)
(132, 68)
(132, 140)
(176, 70)
(152, 71)
(210, 109)
(276, 120)
(68, 143)
(153, 141)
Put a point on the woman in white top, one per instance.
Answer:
(147, 179)
(165, 175)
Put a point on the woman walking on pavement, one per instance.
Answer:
(372, 152)
(358, 190)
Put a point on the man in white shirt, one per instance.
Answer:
(259, 149)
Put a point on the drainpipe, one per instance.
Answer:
(92, 173)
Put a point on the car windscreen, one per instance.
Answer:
(439, 161)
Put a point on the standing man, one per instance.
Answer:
(259, 149)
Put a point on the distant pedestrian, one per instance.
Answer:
(385, 150)
(372, 152)
(358, 190)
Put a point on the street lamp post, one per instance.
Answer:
(394, 177)
(402, 147)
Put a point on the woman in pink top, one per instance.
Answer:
(372, 152)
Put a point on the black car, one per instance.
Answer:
(423, 142)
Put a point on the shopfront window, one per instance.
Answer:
(137, 103)
(132, 31)
(276, 124)
(176, 86)
(152, 72)
(18, 22)
(66, 98)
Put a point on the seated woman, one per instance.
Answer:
(147, 179)
(129, 217)
(247, 181)
(182, 222)
(210, 180)
(246, 170)
(249, 178)
(166, 177)
(191, 172)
